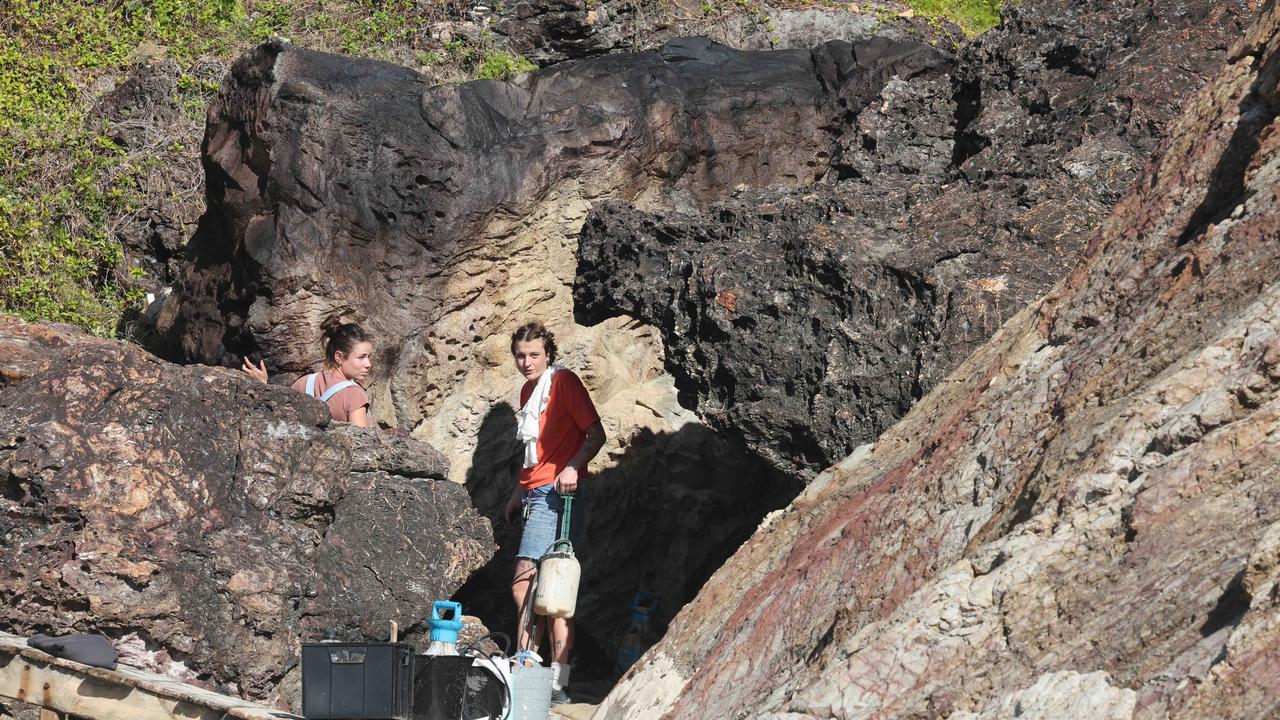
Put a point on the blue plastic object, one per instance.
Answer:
(637, 635)
(445, 629)
(643, 607)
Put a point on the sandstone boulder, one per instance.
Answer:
(1081, 519)
(338, 184)
(208, 522)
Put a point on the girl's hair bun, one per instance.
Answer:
(330, 326)
(336, 336)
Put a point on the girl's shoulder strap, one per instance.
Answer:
(311, 384)
(335, 389)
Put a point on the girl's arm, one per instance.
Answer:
(360, 417)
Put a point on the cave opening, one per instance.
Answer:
(669, 510)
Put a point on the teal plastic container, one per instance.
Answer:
(446, 621)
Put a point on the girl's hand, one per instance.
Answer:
(258, 372)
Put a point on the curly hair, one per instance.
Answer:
(535, 331)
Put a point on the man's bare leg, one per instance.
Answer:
(561, 645)
(561, 639)
(525, 617)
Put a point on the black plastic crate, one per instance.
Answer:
(357, 681)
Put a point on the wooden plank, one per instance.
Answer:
(66, 691)
(31, 676)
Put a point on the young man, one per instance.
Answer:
(560, 432)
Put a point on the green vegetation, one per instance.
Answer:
(498, 65)
(973, 16)
(63, 182)
(67, 187)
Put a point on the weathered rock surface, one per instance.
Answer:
(340, 184)
(443, 217)
(551, 31)
(805, 324)
(10, 710)
(669, 511)
(1081, 520)
(211, 520)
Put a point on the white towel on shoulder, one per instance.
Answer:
(530, 415)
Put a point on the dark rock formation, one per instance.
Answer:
(341, 184)
(13, 710)
(807, 332)
(806, 323)
(551, 31)
(216, 519)
(1082, 520)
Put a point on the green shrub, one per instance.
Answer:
(64, 184)
(497, 65)
(973, 16)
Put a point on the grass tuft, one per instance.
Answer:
(973, 16)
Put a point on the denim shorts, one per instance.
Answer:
(542, 509)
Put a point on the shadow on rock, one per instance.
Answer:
(487, 593)
(662, 519)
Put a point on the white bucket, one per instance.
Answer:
(530, 692)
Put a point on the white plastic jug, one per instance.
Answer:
(558, 575)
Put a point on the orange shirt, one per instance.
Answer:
(562, 429)
(344, 402)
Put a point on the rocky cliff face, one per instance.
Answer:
(337, 184)
(1080, 520)
(806, 323)
(205, 521)
(906, 201)
(443, 217)
(551, 31)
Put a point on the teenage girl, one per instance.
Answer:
(347, 352)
